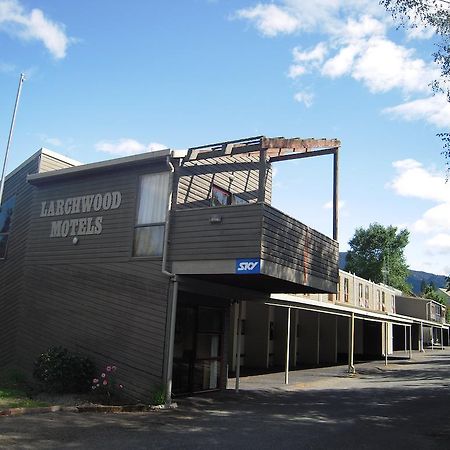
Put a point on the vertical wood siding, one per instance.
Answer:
(94, 297)
(12, 268)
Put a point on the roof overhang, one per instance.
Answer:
(291, 301)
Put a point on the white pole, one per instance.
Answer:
(351, 343)
(11, 130)
(421, 337)
(442, 338)
(173, 318)
(410, 341)
(432, 338)
(406, 341)
(238, 350)
(385, 343)
(288, 338)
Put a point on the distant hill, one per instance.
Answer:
(415, 277)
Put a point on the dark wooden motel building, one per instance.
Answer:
(140, 262)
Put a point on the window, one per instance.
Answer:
(221, 197)
(151, 215)
(366, 296)
(6, 212)
(360, 294)
(383, 301)
(346, 290)
(378, 300)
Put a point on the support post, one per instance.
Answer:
(262, 175)
(421, 337)
(442, 338)
(432, 338)
(318, 340)
(410, 341)
(173, 318)
(288, 338)
(385, 343)
(351, 343)
(336, 194)
(406, 340)
(238, 347)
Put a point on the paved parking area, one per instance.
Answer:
(405, 405)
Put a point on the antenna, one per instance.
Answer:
(11, 130)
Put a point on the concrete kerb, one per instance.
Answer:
(87, 409)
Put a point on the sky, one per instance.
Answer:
(108, 79)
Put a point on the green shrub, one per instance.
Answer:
(61, 371)
(158, 395)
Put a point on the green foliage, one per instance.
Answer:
(376, 254)
(158, 395)
(428, 290)
(60, 371)
(433, 14)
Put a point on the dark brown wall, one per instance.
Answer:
(11, 268)
(94, 297)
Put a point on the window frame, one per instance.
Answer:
(150, 224)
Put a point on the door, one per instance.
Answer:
(198, 349)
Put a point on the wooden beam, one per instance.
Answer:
(307, 154)
(297, 144)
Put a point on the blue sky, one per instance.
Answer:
(107, 78)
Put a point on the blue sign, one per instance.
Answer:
(249, 265)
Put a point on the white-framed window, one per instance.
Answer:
(366, 296)
(6, 212)
(378, 300)
(151, 214)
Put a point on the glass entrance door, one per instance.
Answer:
(198, 349)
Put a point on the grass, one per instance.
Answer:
(13, 392)
(16, 398)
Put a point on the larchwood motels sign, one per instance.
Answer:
(86, 204)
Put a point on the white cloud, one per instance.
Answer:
(127, 147)
(439, 244)
(413, 180)
(435, 110)
(296, 71)
(270, 19)
(356, 45)
(33, 25)
(304, 97)
(435, 219)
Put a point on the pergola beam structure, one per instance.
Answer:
(278, 148)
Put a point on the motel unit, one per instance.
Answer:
(137, 261)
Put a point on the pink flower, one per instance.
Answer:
(105, 382)
(95, 380)
(103, 375)
(108, 368)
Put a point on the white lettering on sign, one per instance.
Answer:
(81, 226)
(247, 266)
(83, 204)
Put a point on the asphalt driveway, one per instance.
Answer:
(405, 405)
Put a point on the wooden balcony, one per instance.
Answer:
(252, 246)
